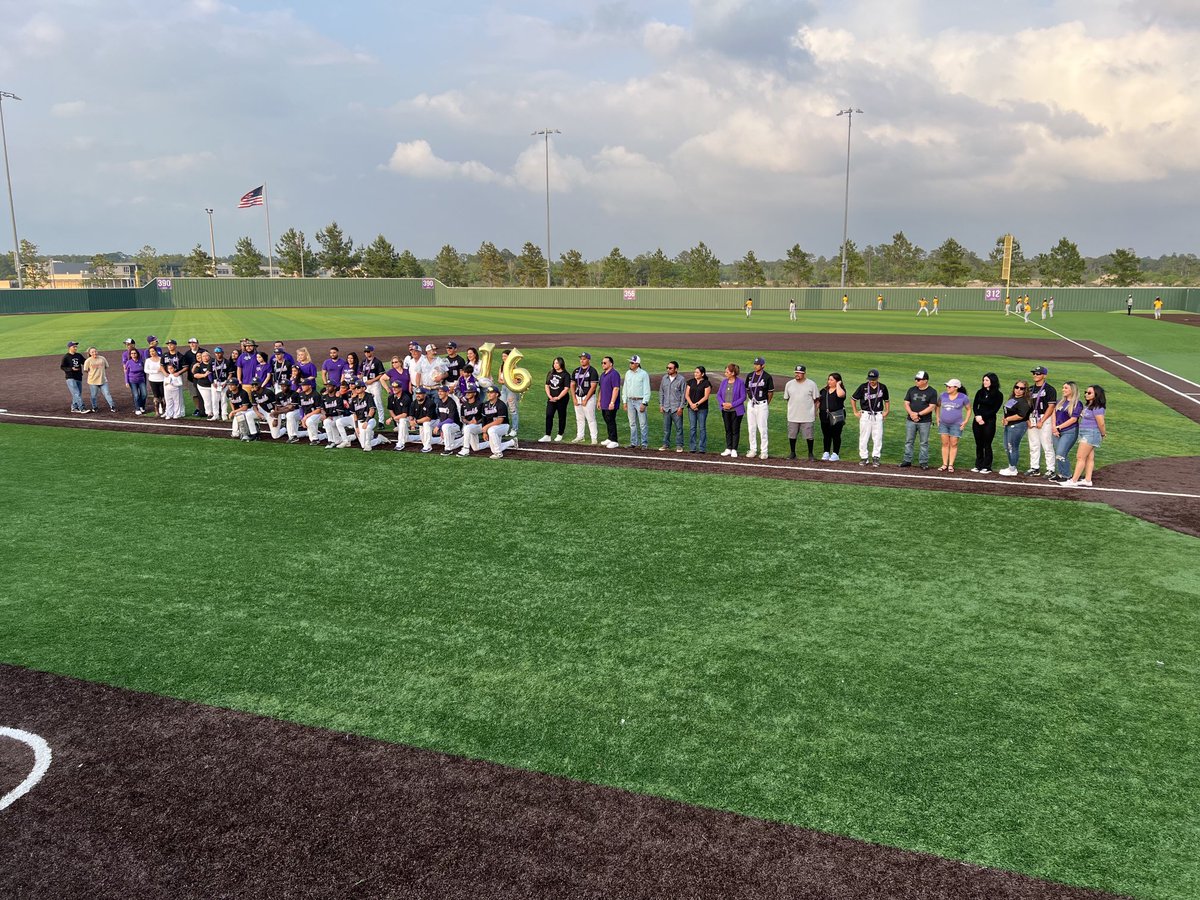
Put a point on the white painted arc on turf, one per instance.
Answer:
(1142, 362)
(42, 757)
(90, 420)
(1117, 362)
(913, 476)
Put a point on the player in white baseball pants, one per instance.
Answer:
(756, 425)
(585, 417)
(335, 430)
(870, 429)
(365, 432)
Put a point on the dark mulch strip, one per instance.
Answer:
(1174, 318)
(151, 797)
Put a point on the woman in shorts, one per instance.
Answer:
(1092, 431)
(954, 409)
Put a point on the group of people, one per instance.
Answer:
(449, 402)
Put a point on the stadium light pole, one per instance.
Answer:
(846, 213)
(545, 133)
(12, 211)
(212, 242)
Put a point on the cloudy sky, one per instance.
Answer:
(709, 120)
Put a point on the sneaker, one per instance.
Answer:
(557, 438)
(862, 462)
(1069, 483)
(464, 452)
(426, 449)
(344, 444)
(733, 454)
(497, 456)
(594, 442)
(1085, 482)
(448, 452)
(824, 457)
(974, 468)
(751, 454)
(1009, 472)
(293, 440)
(905, 464)
(1033, 473)
(924, 467)
(811, 458)
(725, 452)
(578, 440)
(544, 439)
(762, 456)
(662, 448)
(678, 449)
(833, 457)
(875, 462)
(985, 471)
(514, 443)
(399, 447)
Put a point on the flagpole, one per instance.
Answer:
(270, 246)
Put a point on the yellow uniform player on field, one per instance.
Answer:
(924, 306)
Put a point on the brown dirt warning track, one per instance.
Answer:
(149, 797)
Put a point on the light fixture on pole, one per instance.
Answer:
(846, 214)
(212, 243)
(11, 209)
(545, 133)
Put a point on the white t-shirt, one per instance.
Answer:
(154, 371)
(801, 397)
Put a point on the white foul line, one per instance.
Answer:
(1164, 371)
(1123, 366)
(848, 473)
(41, 762)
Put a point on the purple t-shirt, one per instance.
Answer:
(609, 381)
(134, 373)
(399, 375)
(1072, 412)
(1087, 418)
(952, 408)
(308, 371)
(333, 369)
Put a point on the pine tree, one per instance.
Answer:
(247, 260)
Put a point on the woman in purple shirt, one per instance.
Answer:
(1066, 429)
(262, 368)
(732, 397)
(954, 409)
(1092, 431)
(308, 368)
(135, 377)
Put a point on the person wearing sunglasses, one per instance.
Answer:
(1092, 430)
(1016, 423)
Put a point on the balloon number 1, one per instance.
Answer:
(517, 379)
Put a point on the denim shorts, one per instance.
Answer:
(954, 430)
(1090, 436)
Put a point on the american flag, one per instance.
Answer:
(252, 198)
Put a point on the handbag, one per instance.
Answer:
(835, 416)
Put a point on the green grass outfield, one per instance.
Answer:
(1169, 346)
(870, 662)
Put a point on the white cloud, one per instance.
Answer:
(417, 160)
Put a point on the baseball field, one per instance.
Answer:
(576, 672)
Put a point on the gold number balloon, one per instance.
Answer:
(484, 370)
(517, 379)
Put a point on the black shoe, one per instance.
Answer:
(924, 468)
(791, 456)
(196, 414)
(811, 458)
(862, 462)
(905, 465)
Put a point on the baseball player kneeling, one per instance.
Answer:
(362, 408)
(421, 416)
(339, 428)
(495, 428)
(472, 420)
(448, 425)
(241, 413)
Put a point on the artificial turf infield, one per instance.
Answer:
(873, 663)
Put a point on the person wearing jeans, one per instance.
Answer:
(696, 396)
(72, 367)
(135, 380)
(95, 369)
(1066, 430)
(1016, 423)
(637, 401)
(671, 392)
(919, 405)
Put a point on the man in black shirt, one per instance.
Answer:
(495, 423)
(362, 407)
(454, 365)
(264, 401)
(422, 413)
(448, 425)
(398, 405)
(919, 405)
(72, 366)
(190, 357)
(471, 414)
(371, 372)
(871, 405)
(241, 413)
(308, 409)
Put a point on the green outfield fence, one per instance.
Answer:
(264, 293)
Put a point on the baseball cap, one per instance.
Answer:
(413, 344)
(280, 350)
(150, 339)
(472, 389)
(218, 349)
(954, 382)
(193, 340)
(801, 369)
(492, 389)
(759, 361)
(451, 345)
(873, 373)
(635, 359)
(72, 343)
(921, 376)
(429, 347)
(420, 389)
(307, 382)
(585, 355)
(255, 381)
(443, 387)
(1040, 370)
(172, 341)
(370, 348)
(128, 340)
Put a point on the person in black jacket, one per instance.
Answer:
(987, 402)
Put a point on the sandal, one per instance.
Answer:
(950, 469)
(941, 468)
